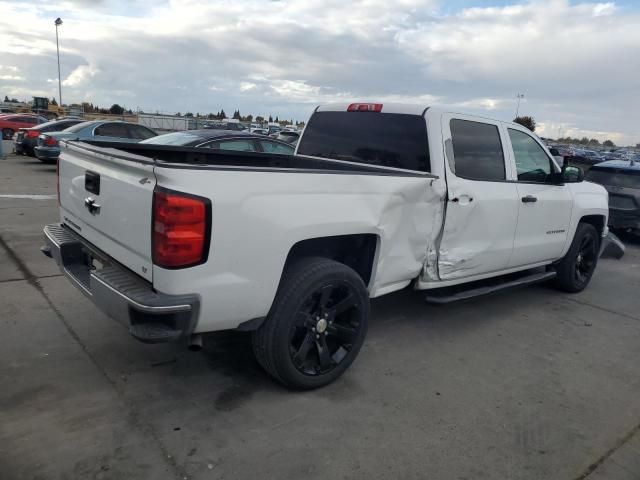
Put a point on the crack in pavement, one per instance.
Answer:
(9, 280)
(619, 444)
(134, 416)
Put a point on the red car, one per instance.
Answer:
(9, 124)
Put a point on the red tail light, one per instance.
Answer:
(365, 107)
(181, 229)
(50, 141)
(32, 133)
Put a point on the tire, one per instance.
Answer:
(305, 341)
(7, 134)
(576, 268)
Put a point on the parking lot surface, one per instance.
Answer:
(530, 384)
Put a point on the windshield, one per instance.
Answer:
(176, 138)
(386, 139)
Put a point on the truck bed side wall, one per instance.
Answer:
(257, 217)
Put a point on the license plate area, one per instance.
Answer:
(79, 261)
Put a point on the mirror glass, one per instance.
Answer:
(572, 174)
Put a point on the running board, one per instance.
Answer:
(444, 295)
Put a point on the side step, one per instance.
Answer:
(444, 295)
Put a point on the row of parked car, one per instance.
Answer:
(42, 140)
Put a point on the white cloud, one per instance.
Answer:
(80, 76)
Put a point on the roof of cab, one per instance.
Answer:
(386, 107)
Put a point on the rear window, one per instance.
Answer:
(615, 178)
(385, 139)
(78, 127)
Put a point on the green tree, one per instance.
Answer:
(53, 101)
(188, 114)
(270, 119)
(116, 109)
(526, 121)
(6, 99)
(259, 119)
(236, 115)
(608, 143)
(222, 115)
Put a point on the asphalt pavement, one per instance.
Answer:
(530, 384)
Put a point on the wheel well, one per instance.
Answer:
(596, 220)
(356, 251)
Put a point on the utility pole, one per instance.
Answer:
(519, 96)
(57, 23)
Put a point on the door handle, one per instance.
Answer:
(529, 199)
(456, 199)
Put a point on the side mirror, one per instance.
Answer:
(572, 174)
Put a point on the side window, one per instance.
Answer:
(235, 145)
(532, 162)
(140, 133)
(477, 150)
(112, 130)
(273, 147)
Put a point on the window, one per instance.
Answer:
(112, 130)
(140, 133)
(175, 138)
(274, 147)
(532, 162)
(235, 145)
(477, 151)
(385, 139)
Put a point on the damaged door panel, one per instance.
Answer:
(482, 208)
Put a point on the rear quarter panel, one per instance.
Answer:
(258, 216)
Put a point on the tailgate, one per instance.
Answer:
(106, 196)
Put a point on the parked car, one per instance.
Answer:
(48, 147)
(292, 247)
(9, 124)
(287, 136)
(259, 131)
(236, 126)
(622, 180)
(26, 139)
(223, 140)
(585, 158)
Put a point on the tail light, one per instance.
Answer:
(32, 133)
(50, 141)
(365, 107)
(181, 229)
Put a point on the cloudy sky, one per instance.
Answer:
(576, 62)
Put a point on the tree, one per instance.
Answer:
(6, 99)
(608, 143)
(259, 119)
(248, 118)
(222, 114)
(276, 120)
(188, 114)
(637, 145)
(270, 119)
(526, 121)
(53, 101)
(116, 109)
(236, 115)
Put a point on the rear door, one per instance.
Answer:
(108, 201)
(544, 207)
(482, 207)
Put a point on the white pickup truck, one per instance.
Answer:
(178, 241)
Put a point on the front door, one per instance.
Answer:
(482, 205)
(544, 206)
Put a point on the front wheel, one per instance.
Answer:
(316, 325)
(577, 266)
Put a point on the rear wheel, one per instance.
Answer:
(576, 268)
(7, 134)
(316, 325)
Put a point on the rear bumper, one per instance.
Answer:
(152, 317)
(47, 153)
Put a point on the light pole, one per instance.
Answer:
(519, 96)
(58, 22)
